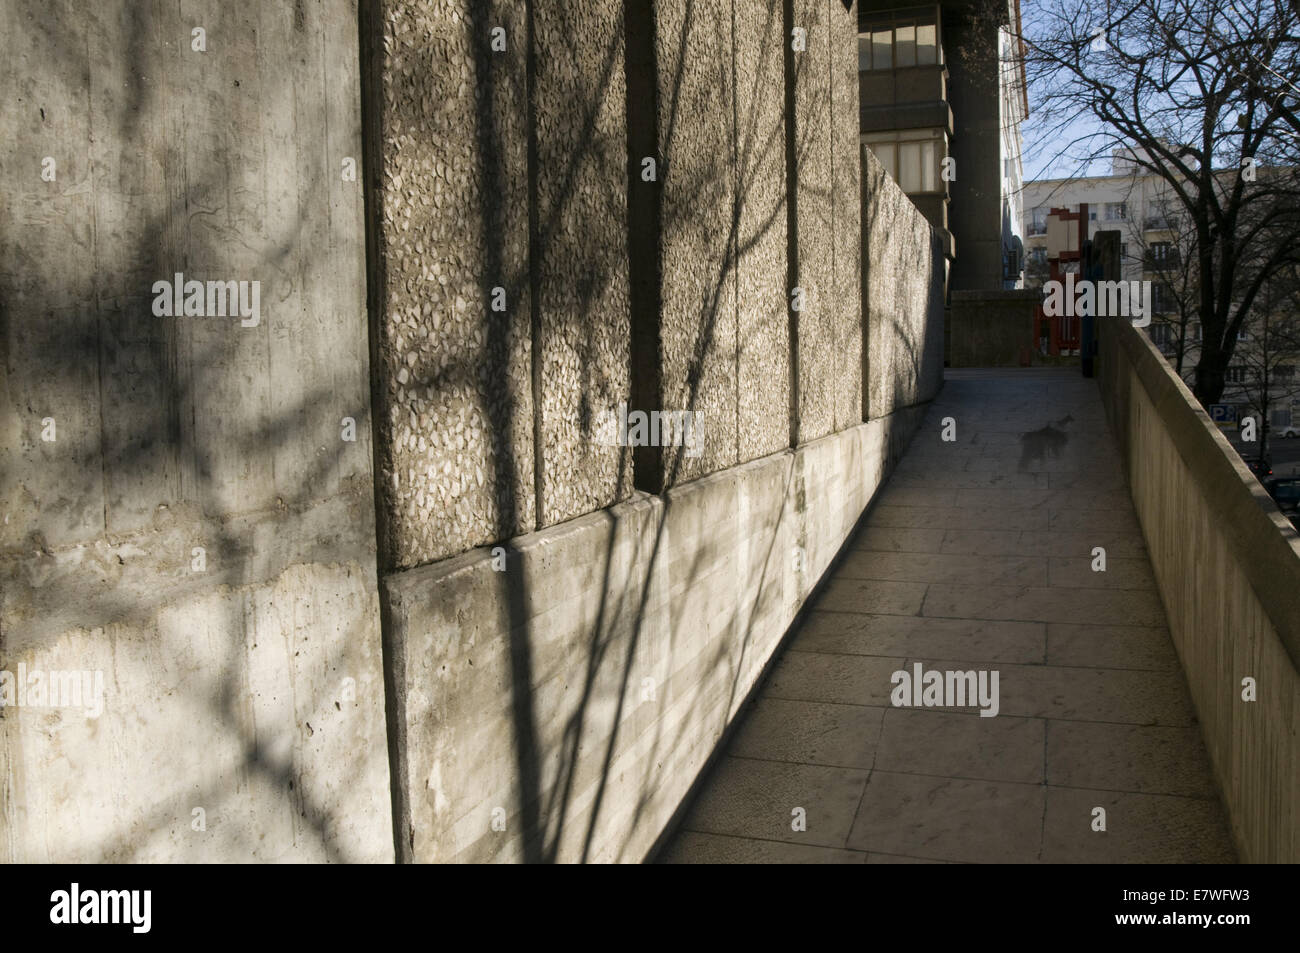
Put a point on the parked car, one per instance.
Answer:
(1285, 492)
(1261, 467)
(1292, 431)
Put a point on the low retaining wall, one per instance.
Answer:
(1228, 567)
(557, 699)
(992, 328)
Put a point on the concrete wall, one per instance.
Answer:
(571, 730)
(1228, 567)
(554, 699)
(247, 687)
(448, 182)
(555, 644)
(992, 328)
(902, 297)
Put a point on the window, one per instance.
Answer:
(1162, 299)
(1123, 250)
(909, 166)
(898, 44)
(884, 151)
(1162, 252)
(1092, 215)
(926, 45)
(1038, 255)
(1161, 334)
(1158, 214)
(1013, 259)
(905, 46)
(1284, 372)
(882, 56)
(1235, 374)
(1038, 221)
(1116, 211)
(911, 158)
(1243, 335)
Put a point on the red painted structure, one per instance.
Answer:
(1061, 334)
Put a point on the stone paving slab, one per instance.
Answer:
(977, 557)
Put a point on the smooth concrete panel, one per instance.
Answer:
(200, 533)
(236, 725)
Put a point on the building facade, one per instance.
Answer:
(942, 90)
(1154, 237)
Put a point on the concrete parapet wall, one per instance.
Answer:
(993, 328)
(557, 701)
(1228, 567)
(902, 296)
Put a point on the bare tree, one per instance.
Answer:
(1197, 90)
(1267, 354)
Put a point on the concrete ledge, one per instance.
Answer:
(560, 706)
(1228, 567)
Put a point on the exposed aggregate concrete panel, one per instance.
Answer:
(698, 321)
(902, 282)
(456, 395)
(763, 349)
(846, 176)
(817, 322)
(580, 256)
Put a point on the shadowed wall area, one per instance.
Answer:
(184, 513)
(563, 663)
(498, 631)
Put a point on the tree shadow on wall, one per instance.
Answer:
(581, 767)
(175, 426)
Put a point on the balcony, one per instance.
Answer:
(912, 97)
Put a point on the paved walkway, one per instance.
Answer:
(977, 556)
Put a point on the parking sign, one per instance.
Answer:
(1224, 416)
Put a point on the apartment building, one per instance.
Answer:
(942, 91)
(1153, 237)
